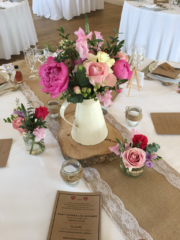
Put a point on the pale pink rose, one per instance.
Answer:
(134, 132)
(122, 56)
(39, 134)
(54, 77)
(16, 123)
(115, 149)
(99, 36)
(134, 158)
(81, 43)
(98, 73)
(77, 90)
(105, 97)
(122, 70)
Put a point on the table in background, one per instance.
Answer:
(28, 184)
(17, 28)
(57, 9)
(159, 31)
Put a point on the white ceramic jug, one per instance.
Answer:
(89, 127)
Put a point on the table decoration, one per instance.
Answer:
(71, 171)
(133, 115)
(5, 147)
(53, 108)
(130, 83)
(30, 123)
(86, 71)
(135, 154)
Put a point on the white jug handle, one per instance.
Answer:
(62, 110)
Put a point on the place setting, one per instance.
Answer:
(90, 136)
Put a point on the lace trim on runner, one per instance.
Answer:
(124, 220)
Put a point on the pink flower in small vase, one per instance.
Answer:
(16, 123)
(122, 70)
(134, 132)
(134, 158)
(122, 56)
(115, 150)
(39, 134)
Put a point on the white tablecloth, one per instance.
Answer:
(28, 184)
(57, 9)
(16, 28)
(158, 31)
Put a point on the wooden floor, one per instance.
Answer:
(101, 20)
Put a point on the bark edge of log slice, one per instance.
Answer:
(87, 155)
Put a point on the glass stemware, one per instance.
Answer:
(128, 51)
(42, 53)
(170, 4)
(138, 54)
(30, 61)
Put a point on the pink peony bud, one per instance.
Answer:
(77, 90)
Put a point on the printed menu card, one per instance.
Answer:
(76, 216)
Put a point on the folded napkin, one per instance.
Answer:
(140, 77)
(150, 6)
(166, 70)
(2, 80)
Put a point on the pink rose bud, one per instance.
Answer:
(77, 90)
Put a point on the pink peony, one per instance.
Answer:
(54, 77)
(17, 123)
(81, 43)
(105, 97)
(122, 56)
(122, 70)
(134, 158)
(98, 36)
(39, 134)
(98, 73)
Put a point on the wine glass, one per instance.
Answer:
(42, 53)
(128, 51)
(138, 54)
(30, 61)
(175, 2)
(33, 47)
(170, 4)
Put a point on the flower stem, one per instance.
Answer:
(32, 145)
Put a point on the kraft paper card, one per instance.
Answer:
(5, 147)
(166, 70)
(166, 123)
(76, 216)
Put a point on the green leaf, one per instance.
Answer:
(81, 76)
(121, 81)
(114, 29)
(152, 148)
(86, 24)
(75, 98)
(121, 148)
(24, 111)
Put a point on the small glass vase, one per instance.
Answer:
(135, 172)
(32, 147)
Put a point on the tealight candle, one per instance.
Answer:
(133, 115)
(53, 108)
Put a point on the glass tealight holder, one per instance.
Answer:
(71, 171)
(53, 108)
(133, 115)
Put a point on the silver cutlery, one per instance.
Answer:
(13, 89)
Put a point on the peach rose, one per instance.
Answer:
(122, 56)
(98, 73)
(17, 123)
(134, 158)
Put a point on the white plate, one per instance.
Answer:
(153, 9)
(153, 65)
(6, 76)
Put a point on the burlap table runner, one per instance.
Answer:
(152, 200)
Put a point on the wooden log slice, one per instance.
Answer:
(87, 155)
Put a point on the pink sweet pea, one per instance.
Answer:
(54, 77)
(39, 134)
(105, 97)
(122, 70)
(134, 132)
(134, 158)
(99, 36)
(122, 56)
(16, 123)
(98, 73)
(81, 43)
(115, 149)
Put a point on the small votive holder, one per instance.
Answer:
(133, 115)
(71, 171)
(53, 108)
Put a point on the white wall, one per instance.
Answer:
(118, 2)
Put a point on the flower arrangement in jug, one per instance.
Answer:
(29, 123)
(136, 153)
(87, 68)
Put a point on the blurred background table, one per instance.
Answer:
(157, 30)
(57, 9)
(17, 28)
